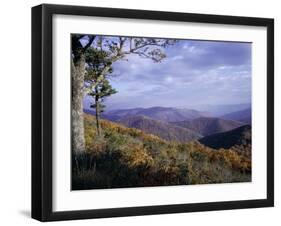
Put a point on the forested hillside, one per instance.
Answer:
(128, 157)
(161, 129)
(209, 125)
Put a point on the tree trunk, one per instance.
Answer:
(77, 74)
(97, 114)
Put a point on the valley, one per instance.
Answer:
(135, 150)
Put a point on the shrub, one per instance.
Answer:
(126, 157)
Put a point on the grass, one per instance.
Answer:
(128, 157)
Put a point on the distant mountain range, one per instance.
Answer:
(207, 126)
(239, 136)
(241, 116)
(161, 129)
(218, 110)
(164, 114)
(182, 125)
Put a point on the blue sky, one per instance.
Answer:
(193, 73)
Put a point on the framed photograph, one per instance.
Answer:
(146, 112)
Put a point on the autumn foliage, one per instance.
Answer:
(128, 157)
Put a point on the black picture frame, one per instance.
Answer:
(42, 111)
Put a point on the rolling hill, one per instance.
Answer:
(207, 126)
(238, 137)
(127, 157)
(165, 114)
(241, 116)
(161, 129)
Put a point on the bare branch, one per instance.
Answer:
(143, 54)
(91, 39)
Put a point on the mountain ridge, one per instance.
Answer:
(161, 129)
(222, 109)
(166, 114)
(240, 136)
(209, 125)
(241, 116)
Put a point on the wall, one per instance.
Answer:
(15, 111)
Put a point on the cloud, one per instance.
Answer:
(177, 57)
(168, 80)
(194, 72)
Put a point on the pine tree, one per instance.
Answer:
(102, 90)
(96, 54)
(97, 82)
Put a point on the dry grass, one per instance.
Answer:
(126, 157)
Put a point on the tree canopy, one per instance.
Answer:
(92, 62)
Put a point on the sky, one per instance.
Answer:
(193, 73)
